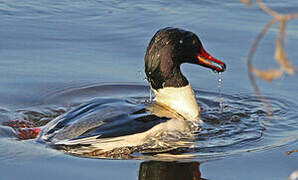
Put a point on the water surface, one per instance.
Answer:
(55, 55)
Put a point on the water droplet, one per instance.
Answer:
(150, 100)
(150, 96)
(141, 75)
(220, 99)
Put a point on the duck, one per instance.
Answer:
(117, 128)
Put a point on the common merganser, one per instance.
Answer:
(112, 128)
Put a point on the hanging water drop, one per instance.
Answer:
(140, 75)
(150, 100)
(150, 96)
(215, 71)
(220, 99)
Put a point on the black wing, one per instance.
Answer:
(105, 117)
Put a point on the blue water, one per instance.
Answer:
(51, 51)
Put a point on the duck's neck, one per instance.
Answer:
(179, 99)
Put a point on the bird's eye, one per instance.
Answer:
(181, 41)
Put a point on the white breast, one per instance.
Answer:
(181, 100)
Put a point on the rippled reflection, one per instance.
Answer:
(170, 170)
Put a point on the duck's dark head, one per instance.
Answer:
(167, 50)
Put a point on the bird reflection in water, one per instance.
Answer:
(161, 170)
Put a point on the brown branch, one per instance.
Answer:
(247, 2)
(268, 10)
(290, 152)
(250, 66)
(280, 55)
(288, 17)
(275, 14)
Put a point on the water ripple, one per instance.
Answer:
(241, 126)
